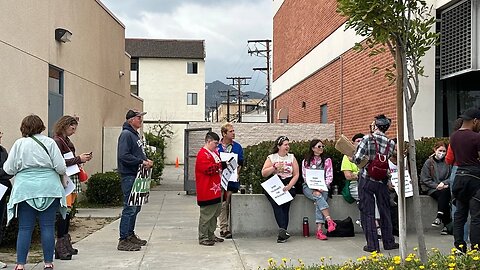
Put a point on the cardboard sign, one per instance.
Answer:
(141, 187)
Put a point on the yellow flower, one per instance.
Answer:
(451, 257)
(421, 267)
(391, 268)
(452, 264)
(415, 249)
(284, 260)
(322, 259)
(476, 258)
(408, 259)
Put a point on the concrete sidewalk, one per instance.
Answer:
(169, 223)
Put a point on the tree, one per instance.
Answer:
(156, 141)
(403, 28)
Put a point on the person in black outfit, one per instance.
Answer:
(4, 180)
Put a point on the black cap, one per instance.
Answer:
(470, 114)
(133, 113)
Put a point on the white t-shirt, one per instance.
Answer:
(287, 162)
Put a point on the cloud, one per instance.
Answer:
(225, 25)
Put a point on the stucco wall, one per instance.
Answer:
(93, 89)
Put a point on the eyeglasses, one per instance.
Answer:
(358, 140)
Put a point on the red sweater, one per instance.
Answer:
(207, 178)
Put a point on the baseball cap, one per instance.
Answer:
(134, 113)
(470, 114)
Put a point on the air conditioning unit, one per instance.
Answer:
(459, 45)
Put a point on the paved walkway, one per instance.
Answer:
(169, 223)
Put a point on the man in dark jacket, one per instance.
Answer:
(130, 155)
(4, 180)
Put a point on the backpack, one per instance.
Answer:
(344, 228)
(378, 168)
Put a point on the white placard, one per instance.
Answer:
(315, 179)
(228, 172)
(226, 157)
(71, 170)
(70, 185)
(274, 188)
(3, 189)
(408, 183)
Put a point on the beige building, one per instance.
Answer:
(252, 111)
(48, 72)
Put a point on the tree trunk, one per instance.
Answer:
(400, 84)
(417, 207)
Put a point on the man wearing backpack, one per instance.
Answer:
(372, 184)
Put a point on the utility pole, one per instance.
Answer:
(265, 53)
(239, 81)
(228, 95)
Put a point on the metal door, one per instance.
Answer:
(55, 96)
(194, 140)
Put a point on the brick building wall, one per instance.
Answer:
(365, 94)
(301, 25)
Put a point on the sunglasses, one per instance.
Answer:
(320, 146)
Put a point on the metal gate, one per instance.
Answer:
(194, 140)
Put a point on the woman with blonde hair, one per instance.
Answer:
(62, 130)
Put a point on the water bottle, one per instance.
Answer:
(306, 229)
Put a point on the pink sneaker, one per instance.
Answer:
(321, 236)
(331, 225)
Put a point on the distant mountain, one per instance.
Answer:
(212, 93)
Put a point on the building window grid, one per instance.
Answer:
(323, 114)
(192, 99)
(192, 68)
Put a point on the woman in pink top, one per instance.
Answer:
(315, 160)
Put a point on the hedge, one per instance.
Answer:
(105, 189)
(255, 156)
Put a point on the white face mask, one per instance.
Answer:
(439, 155)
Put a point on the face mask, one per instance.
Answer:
(439, 155)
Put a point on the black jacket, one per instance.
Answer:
(4, 177)
(130, 152)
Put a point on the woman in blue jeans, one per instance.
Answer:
(315, 160)
(37, 191)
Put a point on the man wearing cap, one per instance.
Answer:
(370, 189)
(130, 155)
(465, 144)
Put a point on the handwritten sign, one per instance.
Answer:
(229, 172)
(274, 188)
(141, 187)
(315, 179)
(408, 183)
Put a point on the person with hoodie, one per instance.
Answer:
(130, 155)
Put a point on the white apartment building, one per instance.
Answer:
(169, 75)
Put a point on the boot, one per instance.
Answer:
(68, 243)
(61, 251)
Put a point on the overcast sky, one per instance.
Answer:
(225, 25)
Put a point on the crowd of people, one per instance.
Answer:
(369, 185)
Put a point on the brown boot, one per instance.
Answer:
(61, 251)
(68, 243)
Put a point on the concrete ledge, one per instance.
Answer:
(252, 214)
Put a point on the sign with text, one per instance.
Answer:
(408, 183)
(315, 179)
(141, 187)
(274, 188)
(229, 172)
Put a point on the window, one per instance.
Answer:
(192, 99)
(134, 76)
(192, 67)
(323, 114)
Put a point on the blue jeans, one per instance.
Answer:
(27, 216)
(129, 213)
(320, 202)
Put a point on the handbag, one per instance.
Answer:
(62, 179)
(82, 175)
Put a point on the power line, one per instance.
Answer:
(264, 52)
(239, 82)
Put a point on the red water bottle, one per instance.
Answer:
(306, 229)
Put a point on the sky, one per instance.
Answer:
(225, 25)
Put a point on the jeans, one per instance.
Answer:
(27, 216)
(129, 213)
(320, 202)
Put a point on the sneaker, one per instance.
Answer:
(437, 222)
(218, 239)
(136, 240)
(207, 242)
(367, 249)
(444, 231)
(283, 234)
(331, 225)
(281, 240)
(379, 233)
(321, 236)
(126, 245)
(3, 265)
(394, 246)
(226, 234)
(358, 222)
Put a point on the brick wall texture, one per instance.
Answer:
(301, 25)
(253, 133)
(347, 85)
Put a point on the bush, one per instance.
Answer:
(255, 156)
(105, 189)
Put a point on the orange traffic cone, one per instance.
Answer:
(176, 163)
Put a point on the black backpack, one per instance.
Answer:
(344, 228)
(378, 168)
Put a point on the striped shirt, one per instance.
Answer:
(366, 148)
